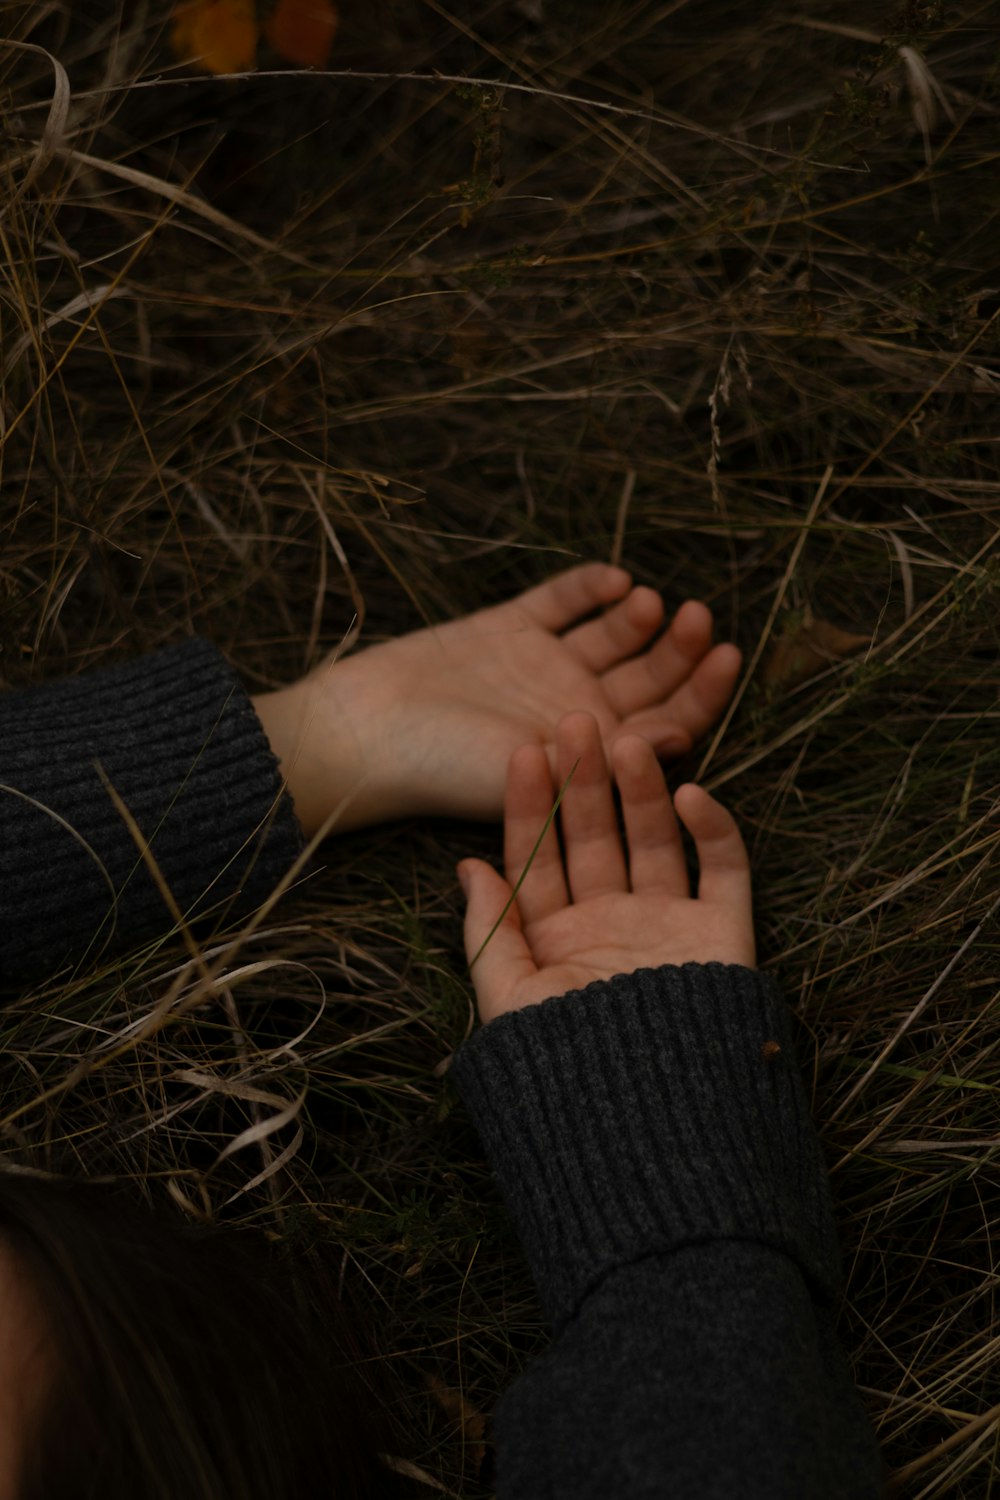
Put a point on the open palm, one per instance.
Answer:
(594, 913)
(438, 713)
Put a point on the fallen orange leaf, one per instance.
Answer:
(220, 35)
(805, 650)
(302, 31)
(471, 1421)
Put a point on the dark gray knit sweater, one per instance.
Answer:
(651, 1134)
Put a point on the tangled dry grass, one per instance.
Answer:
(711, 289)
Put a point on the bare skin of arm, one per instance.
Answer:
(427, 723)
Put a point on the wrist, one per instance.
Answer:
(285, 718)
(325, 731)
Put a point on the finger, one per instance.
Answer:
(619, 633)
(723, 862)
(655, 852)
(650, 678)
(527, 804)
(559, 601)
(695, 706)
(595, 860)
(505, 960)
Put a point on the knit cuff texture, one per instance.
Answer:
(177, 737)
(648, 1112)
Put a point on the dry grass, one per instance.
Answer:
(714, 288)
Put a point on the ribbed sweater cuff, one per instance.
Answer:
(178, 738)
(655, 1110)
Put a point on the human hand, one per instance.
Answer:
(427, 723)
(591, 915)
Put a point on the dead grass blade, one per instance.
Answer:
(54, 131)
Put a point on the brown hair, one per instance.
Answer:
(188, 1365)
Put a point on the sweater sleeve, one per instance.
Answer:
(175, 734)
(653, 1142)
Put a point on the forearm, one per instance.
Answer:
(710, 1372)
(175, 736)
(653, 1142)
(652, 1111)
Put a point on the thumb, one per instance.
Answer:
(494, 943)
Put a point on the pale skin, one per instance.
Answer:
(427, 723)
(605, 907)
